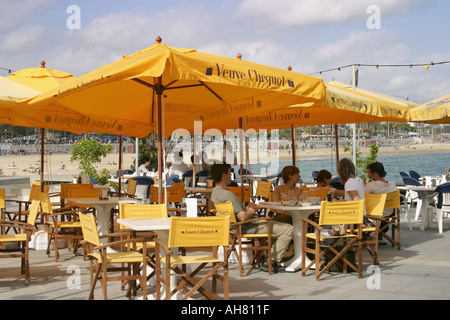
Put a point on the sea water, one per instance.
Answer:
(426, 164)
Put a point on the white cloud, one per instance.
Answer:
(306, 12)
(14, 13)
(22, 38)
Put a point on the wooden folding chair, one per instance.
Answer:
(21, 214)
(63, 223)
(65, 187)
(393, 221)
(255, 242)
(324, 243)
(374, 214)
(16, 245)
(205, 234)
(262, 194)
(102, 263)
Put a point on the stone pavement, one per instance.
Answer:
(419, 271)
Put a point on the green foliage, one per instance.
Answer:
(88, 153)
(362, 163)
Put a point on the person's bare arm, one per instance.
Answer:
(245, 215)
(354, 195)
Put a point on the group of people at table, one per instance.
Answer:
(354, 189)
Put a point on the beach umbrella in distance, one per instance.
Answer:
(40, 80)
(171, 87)
(434, 112)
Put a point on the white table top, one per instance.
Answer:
(97, 201)
(279, 206)
(146, 224)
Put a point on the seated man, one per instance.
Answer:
(143, 167)
(379, 185)
(284, 232)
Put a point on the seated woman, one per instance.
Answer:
(323, 181)
(353, 185)
(288, 191)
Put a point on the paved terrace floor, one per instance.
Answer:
(420, 270)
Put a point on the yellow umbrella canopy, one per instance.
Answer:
(433, 112)
(342, 105)
(12, 93)
(121, 98)
(41, 79)
(25, 84)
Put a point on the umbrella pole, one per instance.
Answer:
(42, 159)
(159, 92)
(336, 136)
(120, 163)
(241, 165)
(294, 151)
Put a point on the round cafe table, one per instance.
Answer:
(295, 212)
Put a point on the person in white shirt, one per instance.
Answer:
(353, 185)
(143, 167)
(379, 184)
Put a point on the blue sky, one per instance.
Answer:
(309, 35)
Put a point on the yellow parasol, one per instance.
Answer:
(433, 112)
(342, 105)
(12, 93)
(41, 79)
(168, 86)
(120, 98)
(37, 80)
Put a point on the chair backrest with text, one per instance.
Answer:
(392, 200)
(176, 192)
(199, 232)
(375, 203)
(341, 212)
(225, 209)
(89, 229)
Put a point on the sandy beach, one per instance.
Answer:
(53, 162)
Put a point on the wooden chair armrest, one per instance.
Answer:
(373, 217)
(119, 242)
(310, 222)
(267, 219)
(164, 246)
(16, 224)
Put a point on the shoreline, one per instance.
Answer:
(52, 163)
